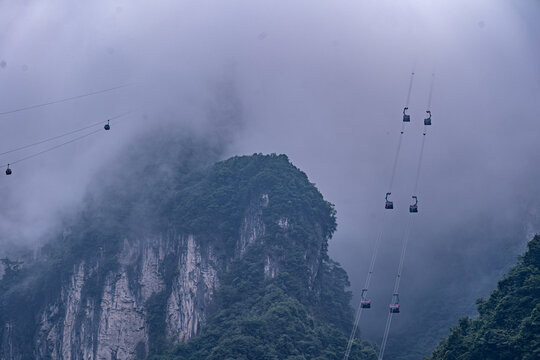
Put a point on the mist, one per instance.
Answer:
(323, 82)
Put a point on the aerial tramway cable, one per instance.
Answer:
(407, 117)
(9, 171)
(410, 89)
(396, 159)
(62, 135)
(394, 302)
(365, 289)
(62, 100)
(51, 148)
(400, 141)
(422, 147)
(424, 133)
(395, 294)
(431, 91)
(365, 303)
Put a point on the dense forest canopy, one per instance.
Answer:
(279, 318)
(508, 327)
(296, 314)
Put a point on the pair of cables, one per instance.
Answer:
(365, 303)
(394, 302)
(106, 126)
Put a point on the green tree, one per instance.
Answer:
(508, 325)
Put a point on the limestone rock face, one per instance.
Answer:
(115, 325)
(111, 291)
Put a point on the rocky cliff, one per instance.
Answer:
(113, 325)
(146, 263)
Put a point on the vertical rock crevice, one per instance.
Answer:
(70, 330)
(123, 291)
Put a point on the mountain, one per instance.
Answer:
(508, 325)
(225, 261)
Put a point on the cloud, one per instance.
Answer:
(324, 82)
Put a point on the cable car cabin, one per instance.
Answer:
(107, 126)
(388, 204)
(8, 171)
(364, 302)
(427, 121)
(414, 207)
(394, 305)
(406, 117)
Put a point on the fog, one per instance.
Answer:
(323, 82)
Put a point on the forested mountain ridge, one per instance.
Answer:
(227, 261)
(508, 325)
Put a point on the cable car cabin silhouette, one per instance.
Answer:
(8, 170)
(414, 207)
(394, 306)
(406, 117)
(107, 126)
(388, 204)
(364, 302)
(427, 121)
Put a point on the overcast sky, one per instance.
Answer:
(321, 81)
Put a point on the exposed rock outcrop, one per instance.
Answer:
(115, 326)
(112, 289)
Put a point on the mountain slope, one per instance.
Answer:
(186, 262)
(508, 326)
